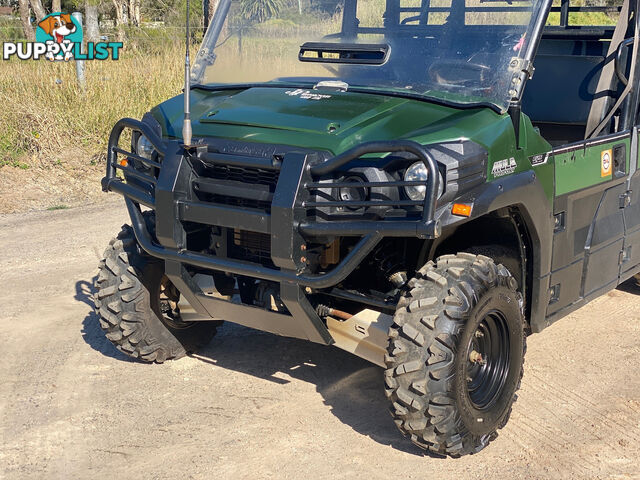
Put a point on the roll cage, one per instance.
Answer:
(584, 74)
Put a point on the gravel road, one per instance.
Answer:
(253, 405)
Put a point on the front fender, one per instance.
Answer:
(525, 192)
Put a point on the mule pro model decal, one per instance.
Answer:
(504, 167)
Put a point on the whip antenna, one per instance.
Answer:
(186, 124)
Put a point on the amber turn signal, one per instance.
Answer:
(124, 162)
(461, 209)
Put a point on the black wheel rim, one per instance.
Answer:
(488, 357)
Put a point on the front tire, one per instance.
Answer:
(456, 353)
(136, 305)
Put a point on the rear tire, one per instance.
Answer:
(456, 353)
(129, 308)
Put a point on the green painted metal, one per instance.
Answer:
(337, 121)
(582, 168)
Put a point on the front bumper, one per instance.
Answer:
(170, 192)
(169, 186)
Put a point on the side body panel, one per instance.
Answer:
(589, 234)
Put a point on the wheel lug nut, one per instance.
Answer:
(475, 357)
(479, 334)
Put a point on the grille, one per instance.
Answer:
(254, 176)
(251, 246)
(235, 176)
(236, 202)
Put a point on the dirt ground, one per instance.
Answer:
(253, 405)
(39, 187)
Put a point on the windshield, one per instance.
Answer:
(453, 50)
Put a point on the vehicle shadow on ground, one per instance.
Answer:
(630, 286)
(353, 388)
(91, 331)
(350, 386)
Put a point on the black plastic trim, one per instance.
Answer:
(224, 216)
(353, 53)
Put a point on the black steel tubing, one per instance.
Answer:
(390, 147)
(114, 138)
(318, 185)
(136, 174)
(146, 161)
(368, 203)
(388, 228)
(342, 271)
(129, 192)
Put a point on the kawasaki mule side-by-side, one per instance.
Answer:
(421, 183)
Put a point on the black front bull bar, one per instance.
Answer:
(283, 223)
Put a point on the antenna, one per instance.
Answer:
(186, 124)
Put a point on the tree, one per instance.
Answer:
(38, 9)
(91, 29)
(121, 17)
(260, 10)
(25, 18)
(134, 12)
(209, 9)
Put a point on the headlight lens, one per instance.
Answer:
(144, 148)
(418, 173)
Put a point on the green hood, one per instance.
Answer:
(327, 120)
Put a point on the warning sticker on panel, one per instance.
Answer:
(606, 160)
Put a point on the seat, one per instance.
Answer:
(559, 96)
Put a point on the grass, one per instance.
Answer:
(46, 116)
(14, 163)
(58, 207)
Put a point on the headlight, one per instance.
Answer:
(418, 173)
(144, 148)
(355, 193)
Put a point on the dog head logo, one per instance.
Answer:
(61, 33)
(59, 27)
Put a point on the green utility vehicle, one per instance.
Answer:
(389, 177)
